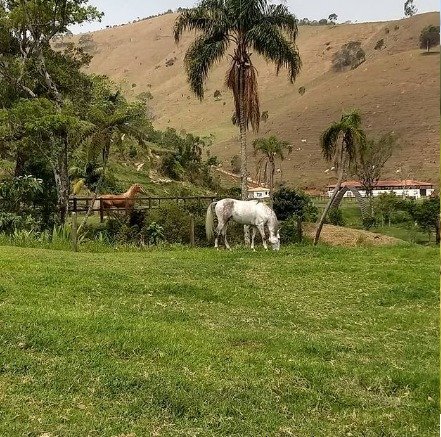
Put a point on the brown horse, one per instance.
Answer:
(125, 200)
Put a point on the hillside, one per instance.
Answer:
(396, 89)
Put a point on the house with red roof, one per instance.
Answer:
(404, 188)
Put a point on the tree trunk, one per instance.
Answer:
(328, 206)
(271, 184)
(243, 149)
(243, 140)
(20, 161)
(61, 176)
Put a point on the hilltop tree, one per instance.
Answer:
(429, 37)
(341, 144)
(409, 8)
(270, 150)
(333, 18)
(254, 25)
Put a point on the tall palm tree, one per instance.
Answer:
(341, 144)
(269, 30)
(271, 149)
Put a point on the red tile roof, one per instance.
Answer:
(394, 183)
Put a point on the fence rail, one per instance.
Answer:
(79, 204)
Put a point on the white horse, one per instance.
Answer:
(245, 212)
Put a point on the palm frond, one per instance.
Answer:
(269, 41)
(208, 17)
(202, 54)
(280, 17)
(329, 140)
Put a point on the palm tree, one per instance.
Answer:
(271, 149)
(269, 30)
(341, 153)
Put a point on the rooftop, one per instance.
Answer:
(390, 183)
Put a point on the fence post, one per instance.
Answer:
(101, 210)
(74, 232)
(191, 230)
(75, 203)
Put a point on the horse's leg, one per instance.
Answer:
(262, 234)
(253, 236)
(224, 233)
(220, 226)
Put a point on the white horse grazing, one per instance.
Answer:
(245, 212)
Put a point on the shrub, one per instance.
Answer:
(291, 231)
(264, 116)
(288, 203)
(379, 45)
(302, 90)
(369, 222)
(235, 164)
(429, 37)
(351, 55)
(335, 217)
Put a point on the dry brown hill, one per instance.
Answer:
(396, 89)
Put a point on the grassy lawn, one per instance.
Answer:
(306, 342)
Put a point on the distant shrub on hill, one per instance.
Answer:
(351, 55)
(379, 45)
(429, 37)
(302, 90)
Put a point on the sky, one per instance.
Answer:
(124, 11)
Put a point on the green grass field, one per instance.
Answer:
(306, 342)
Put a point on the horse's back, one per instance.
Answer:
(246, 212)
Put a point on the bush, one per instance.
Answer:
(302, 90)
(429, 37)
(288, 203)
(351, 55)
(235, 164)
(335, 217)
(379, 45)
(291, 231)
(369, 222)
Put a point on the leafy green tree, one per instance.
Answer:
(32, 69)
(253, 25)
(429, 37)
(427, 215)
(270, 149)
(409, 8)
(341, 144)
(371, 159)
(385, 205)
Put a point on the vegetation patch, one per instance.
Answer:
(173, 342)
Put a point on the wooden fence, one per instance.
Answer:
(78, 204)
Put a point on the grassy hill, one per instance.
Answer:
(308, 341)
(396, 89)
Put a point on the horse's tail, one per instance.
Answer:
(209, 221)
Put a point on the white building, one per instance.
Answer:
(258, 193)
(404, 188)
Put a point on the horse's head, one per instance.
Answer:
(274, 238)
(137, 188)
(275, 241)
